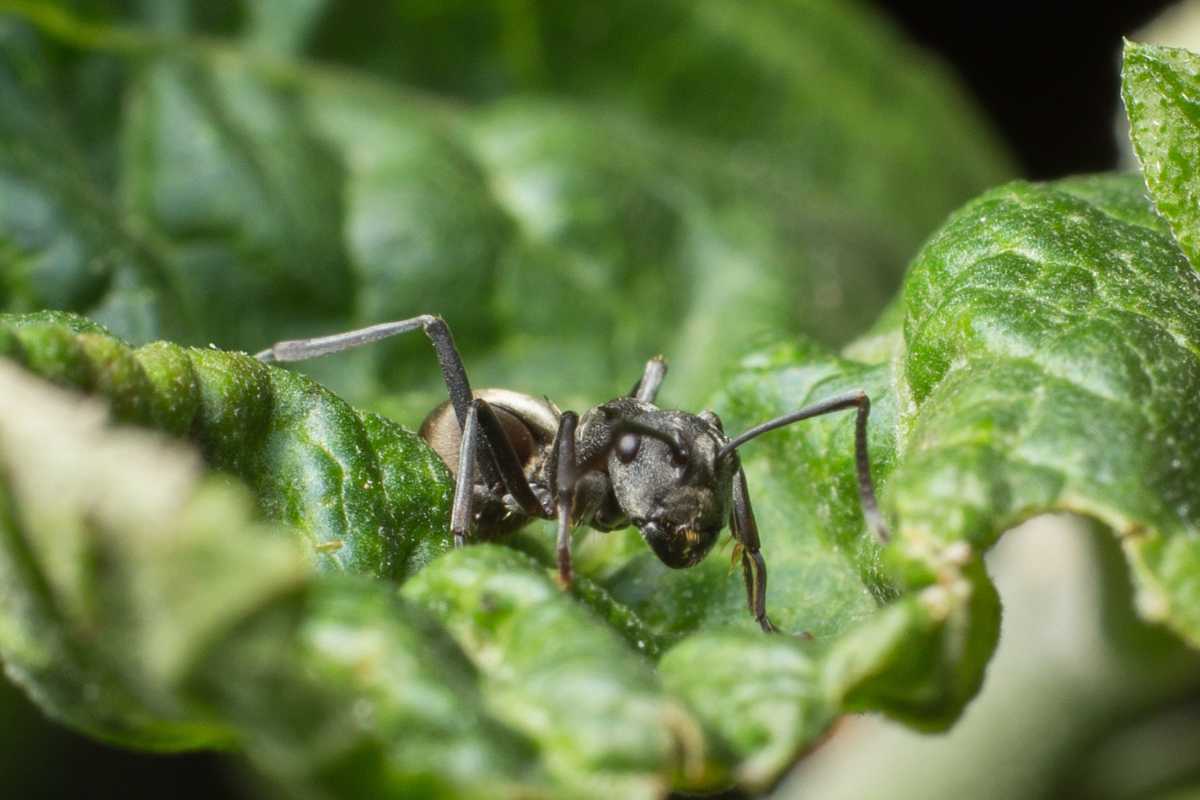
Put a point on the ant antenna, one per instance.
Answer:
(866, 487)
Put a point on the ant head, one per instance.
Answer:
(668, 480)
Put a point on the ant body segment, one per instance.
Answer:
(674, 475)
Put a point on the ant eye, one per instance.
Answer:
(627, 447)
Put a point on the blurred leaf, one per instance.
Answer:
(1162, 100)
(63, 244)
(286, 198)
(822, 96)
(248, 198)
(133, 592)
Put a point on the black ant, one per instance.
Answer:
(674, 475)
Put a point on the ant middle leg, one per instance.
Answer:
(462, 510)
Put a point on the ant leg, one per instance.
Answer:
(566, 472)
(453, 371)
(502, 463)
(862, 463)
(461, 515)
(512, 474)
(483, 428)
(754, 568)
(646, 389)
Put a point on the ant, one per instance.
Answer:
(673, 474)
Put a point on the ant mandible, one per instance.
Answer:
(674, 475)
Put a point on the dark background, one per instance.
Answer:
(1048, 82)
(1047, 75)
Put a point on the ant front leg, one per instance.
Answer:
(754, 567)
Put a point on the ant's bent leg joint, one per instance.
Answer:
(453, 372)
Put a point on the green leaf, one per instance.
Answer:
(249, 199)
(1028, 344)
(1043, 360)
(1042, 357)
(1049, 345)
(799, 92)
(552, 671)
(1162, 99)
(63, 243)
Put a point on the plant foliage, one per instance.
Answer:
(1042, 356)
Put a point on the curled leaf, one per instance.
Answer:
(368, 495)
